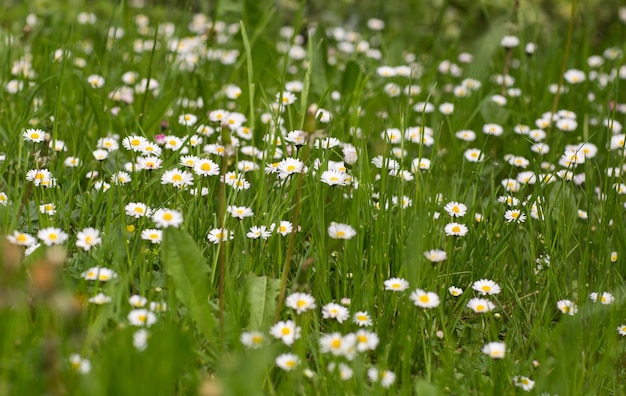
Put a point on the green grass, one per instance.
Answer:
(213, 295)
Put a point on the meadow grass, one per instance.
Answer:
(223, 203)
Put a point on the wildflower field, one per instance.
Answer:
(283, 198)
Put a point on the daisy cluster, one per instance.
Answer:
(408, 191)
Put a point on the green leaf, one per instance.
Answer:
(185, 264)
(261, 298)
(494, 113)
(351, 77)
(424, 388)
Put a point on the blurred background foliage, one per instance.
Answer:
(428, 24)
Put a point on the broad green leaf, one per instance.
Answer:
(351, 77)
(261, 298)
(494, 113)
(423, 388)
(185, 264)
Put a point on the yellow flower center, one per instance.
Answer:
(285, 331)
(424, 298)
(168, 216)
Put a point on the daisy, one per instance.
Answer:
(188, 160)
(574, 76)
(247, 166)
(258, 232)
(336, 344)
(287, 361)
(455, 291)
(480, 305)
(101, 274)
(39, 177)
(284, 228)
(150, 149)
(514, 215)
(286, 331)
(52, 236)
(79, 364)
(485, 286)
(137, 210)
(21, 239)
(386, 377)
(455, 209)
(140, 339)
(495, 350)
(301, 302)
(148, 163)
(567, 307)
(88, 238)
(137, 301)
(621, 330)
(435, 255)
(187, 119)
(71, 162)
(523, 382)
(153, 235)
(206, 167)
(335, 311)
(134, 142)
(493, 129)
(333, 178)
(252, 339)
(120, 178)
(164, 218)
(341, 231)
(95, 81)
(108, 143)
(396, 284)
(177, 178)
(423, 107)
(466, 135)
(607, 298)
(362, 319)
(455, 229)
(474, 155)
(240, 212)
(218, 235)
(173, 143)
(141, 317)
(424, 299)
(289, 166)
(366, 340)
(100, 299)
(158, 306)
(34, 135)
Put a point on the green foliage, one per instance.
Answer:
(184, 262)
(192, 311)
